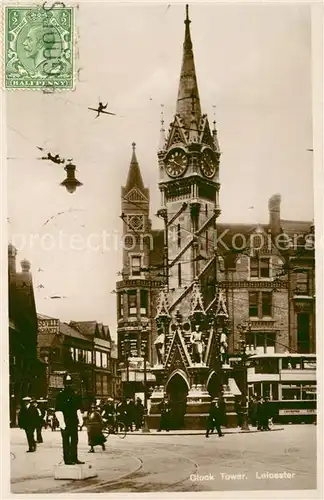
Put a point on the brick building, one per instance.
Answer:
(26, 372)
(82, 349)
(201, 284)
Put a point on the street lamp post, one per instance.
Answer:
(244, 328)
(145, 427)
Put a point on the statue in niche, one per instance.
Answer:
(159, 345)
(223, 345)
(198, 345)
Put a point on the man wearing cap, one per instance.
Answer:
(69, 416)
(28, 419)
(214, 418)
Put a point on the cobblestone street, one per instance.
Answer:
(283, 459)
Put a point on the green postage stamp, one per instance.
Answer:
(39, 47)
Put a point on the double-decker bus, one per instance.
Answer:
(289, 380)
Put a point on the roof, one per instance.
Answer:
(188, 102)
(134, 178)
(86, 328)
(68, 331)
(43, 316)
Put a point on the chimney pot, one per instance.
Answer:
(25, 266)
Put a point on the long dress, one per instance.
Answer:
(94, 428)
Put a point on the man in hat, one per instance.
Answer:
(108, 413)
(28, 420)
(214, 418)
(69, 416)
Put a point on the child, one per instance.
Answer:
(94, 428)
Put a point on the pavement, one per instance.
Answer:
(282, 459)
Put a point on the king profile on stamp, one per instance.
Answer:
(39, 48)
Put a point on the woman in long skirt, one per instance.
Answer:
(94, 428)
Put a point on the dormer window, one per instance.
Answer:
(259, 267)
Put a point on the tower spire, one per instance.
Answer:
(162, 131)
(134, 178)
(188, 102)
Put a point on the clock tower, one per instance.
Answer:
(191, 311)
(189, 182)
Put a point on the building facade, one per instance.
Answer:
(84, 350)
(221, 292)
(26, 372)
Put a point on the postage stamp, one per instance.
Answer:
(39, 48)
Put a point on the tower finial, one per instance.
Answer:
(162, 116)
(214, 118)
(187, 21)
(134, 146)
(161, 146)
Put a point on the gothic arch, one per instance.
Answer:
(182, 374)
(210, 376)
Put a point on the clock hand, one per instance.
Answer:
(179, 164)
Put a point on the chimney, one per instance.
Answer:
(274, 214)
(12, 252)
(25, 266)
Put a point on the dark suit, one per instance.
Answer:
(68, 403)
(214, 420)
(28, 419)
(165, 410)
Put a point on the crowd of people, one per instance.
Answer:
(129, 413)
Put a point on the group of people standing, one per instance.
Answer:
(31, 419)
(259, 412)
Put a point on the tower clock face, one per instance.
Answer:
(176, 164)
(208, 163)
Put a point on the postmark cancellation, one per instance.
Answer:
(39, 47)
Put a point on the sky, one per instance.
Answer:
(253, 64)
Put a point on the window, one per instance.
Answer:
(302, 283)
(253, 304)
(76, 354)
(261, 342)
(104, 360)
(120, 304)
(98, 358)
(98, 384)
(72, 353)
(179, 275)
(291, 391)
(179, 235)
(132, 306)
(260, 304)
(266, 298)
(303, 337)
(136, 263)
(89, 357)
(144, 302)
(259, 267)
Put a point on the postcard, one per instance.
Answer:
(162, 219)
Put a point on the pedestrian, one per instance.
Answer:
(109, 414)
(68, 414)
(130, 414)
(253, 411)
(260, 414)
(139, 414)
(165, 410)
(214, 419)
(94, 428)
(121, 413)
(28, 419)
(266, 414)
(40, 422)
